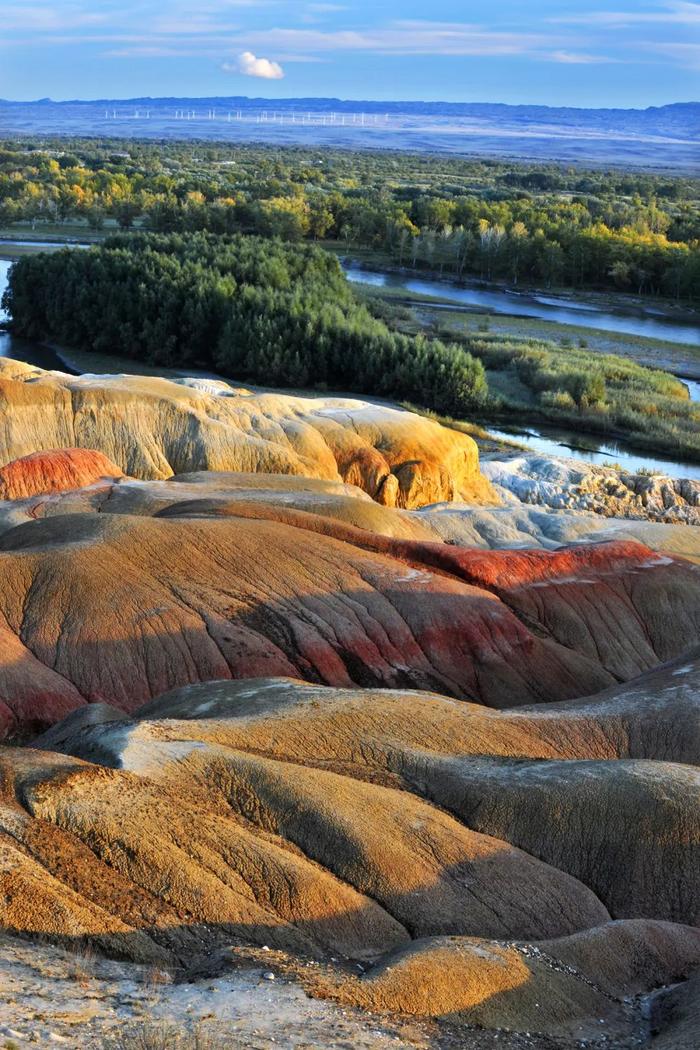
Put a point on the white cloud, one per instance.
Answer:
(674, 12)
(406, 38)
(576, 58)
(249, 65)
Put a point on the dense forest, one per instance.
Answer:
(253, 308)
(518, 224)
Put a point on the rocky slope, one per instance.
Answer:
(118, 607)
(121, 589)
(569, 484)
(286, 714)
(154, 428)
(550, 891)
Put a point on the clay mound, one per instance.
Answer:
(303, 817)
(110, 857)
(154, 428)
(628, 829)
(427, 870)
(466, 525)
(631, 956)
(675, 1017)
(656, 716)
(518, 525)
(212, 494)
(118, 609)
(205, 599)
(55, 471)
(566, 987)
(487, 984)
(580, 595)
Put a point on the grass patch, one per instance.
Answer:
(564, 383)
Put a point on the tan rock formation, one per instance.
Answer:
(235, 813)
(154, 428)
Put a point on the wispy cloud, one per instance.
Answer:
(578, 58)
(313, 31)
(674, 12)
(47, 18)
(405, 38)
(686, 55)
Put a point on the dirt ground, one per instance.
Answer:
(253, 1000)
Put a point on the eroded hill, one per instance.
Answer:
(451, 783)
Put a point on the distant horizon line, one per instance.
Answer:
(307, 99)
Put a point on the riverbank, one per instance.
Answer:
(613, 315)
(371, 260)
(682, 360)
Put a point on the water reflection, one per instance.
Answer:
(543, 307)
(555, 441)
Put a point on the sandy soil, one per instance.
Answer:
(253, 999)
(49, 997)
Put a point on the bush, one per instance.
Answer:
(560, 400)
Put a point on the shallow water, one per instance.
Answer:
(555, 441)
(543, 307)
(44, 244)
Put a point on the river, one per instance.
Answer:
(605, 452)
(543, 307)
(551, 441)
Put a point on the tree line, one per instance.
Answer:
(253, 308)
(518, 224)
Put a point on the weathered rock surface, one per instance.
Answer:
(297, 816)
(59, 470)
(570, 484)
(119, 607)
(675, 1016)
(154, 428)
(627, 827)
(471, 773)
(374, 732)
(519, 525)
(577, 987)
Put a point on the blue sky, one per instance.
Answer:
(560, 52)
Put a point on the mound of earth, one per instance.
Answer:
(287, 712)
(656, 716)
(626, 827)
(58, 470)
(272, 812)
(154, 428)
(675, 1016)
(562, 988)
(102, 601)
(520, 525)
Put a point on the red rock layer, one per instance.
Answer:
(57, 470)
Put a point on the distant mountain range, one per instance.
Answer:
(660, 136)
